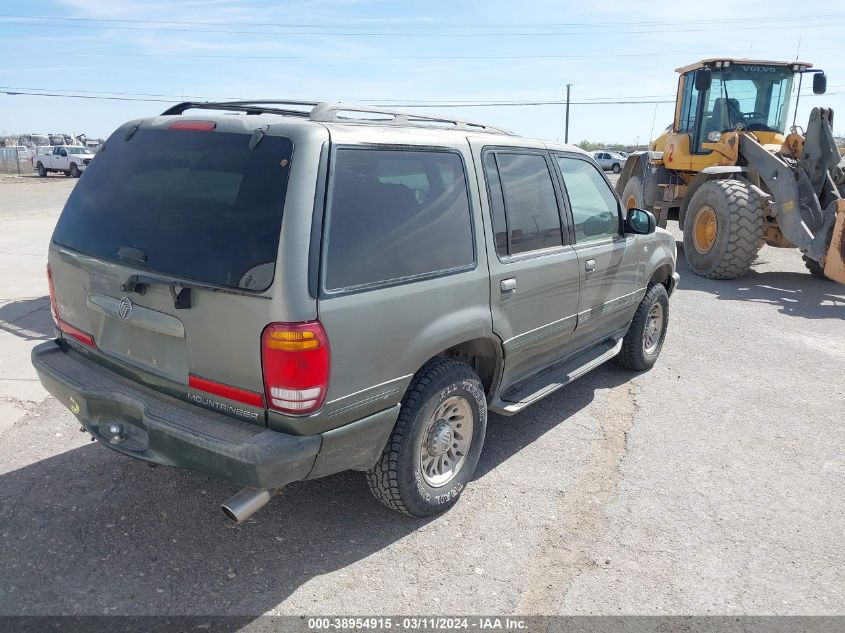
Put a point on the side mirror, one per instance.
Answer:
(63, 152)
(703, 79)
(819, 83)
(640, 222)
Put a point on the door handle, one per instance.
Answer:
(508, 285)
(590, 265)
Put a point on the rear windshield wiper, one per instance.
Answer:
(179, 290)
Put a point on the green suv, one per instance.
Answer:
(276, 291)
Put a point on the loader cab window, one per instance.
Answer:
(750, 96)
(689, 104)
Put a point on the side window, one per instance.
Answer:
(395, 214)
(595, 209)
(528, 215)
(689, 104)
(497, 203)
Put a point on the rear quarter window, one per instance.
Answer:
(396, 215)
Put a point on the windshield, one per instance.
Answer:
(202, 206)
(756, 97)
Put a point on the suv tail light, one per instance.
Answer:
(295, 361)
(68, 329)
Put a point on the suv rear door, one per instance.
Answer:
(193, 215)
(533, 270)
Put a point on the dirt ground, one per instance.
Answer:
(710, 485)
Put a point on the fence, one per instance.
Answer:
(13, 161)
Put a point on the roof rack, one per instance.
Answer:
(338, 112)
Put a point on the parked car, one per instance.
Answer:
(24, 153)
(68, 159)
(281, 296)
(610, 161)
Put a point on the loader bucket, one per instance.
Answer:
(834, 266)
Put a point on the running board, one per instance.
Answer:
(537, 388)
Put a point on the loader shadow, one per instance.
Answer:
(795, 294)
(91, 532)
(28, 318)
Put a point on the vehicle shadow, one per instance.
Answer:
(795, 294)
(29, 319)
(91, 532)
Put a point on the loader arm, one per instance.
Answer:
(806, 196)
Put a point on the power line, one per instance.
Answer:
(179, 56)
(407, 104)
(392, 25)
(570, 31)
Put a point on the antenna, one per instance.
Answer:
(653, 118)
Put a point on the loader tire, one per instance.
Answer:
(723, 229)
(632, 194)
(815, 268)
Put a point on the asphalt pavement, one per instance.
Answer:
(710, 485)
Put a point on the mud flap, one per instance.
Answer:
(834, 266)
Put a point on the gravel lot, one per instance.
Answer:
(710, 485)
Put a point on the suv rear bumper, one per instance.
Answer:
(161, 429)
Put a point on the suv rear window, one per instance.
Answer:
(200, 205)
(396, 214)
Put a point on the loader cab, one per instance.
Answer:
(718, 96)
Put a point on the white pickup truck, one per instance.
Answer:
(71, 160)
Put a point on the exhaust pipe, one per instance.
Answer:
(242, 505)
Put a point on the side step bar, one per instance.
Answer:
(515, 400)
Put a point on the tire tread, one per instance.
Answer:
(746, 231)
(383, 478)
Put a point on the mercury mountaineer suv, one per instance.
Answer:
(276, 291)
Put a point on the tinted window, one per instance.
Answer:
(497, 203)
(532, 213)
(396, 214)
(200, 205)
(594, 207)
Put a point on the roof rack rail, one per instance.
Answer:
(334, 113)
(337, 112)
(253, 106)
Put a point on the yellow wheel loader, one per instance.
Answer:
(732, 176)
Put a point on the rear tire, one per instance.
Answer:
(414, 474)
(644, 339)
(616, 168)
(815, 268)
(42, 172)
(723, 229)
(632, 194)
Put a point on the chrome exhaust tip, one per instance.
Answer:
(242, 505)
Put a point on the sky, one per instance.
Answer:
(147, 53)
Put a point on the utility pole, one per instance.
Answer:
(566, 133)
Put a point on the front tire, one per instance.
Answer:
(644, 339)
(74, 170)
(723, 229)
(434, 448)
